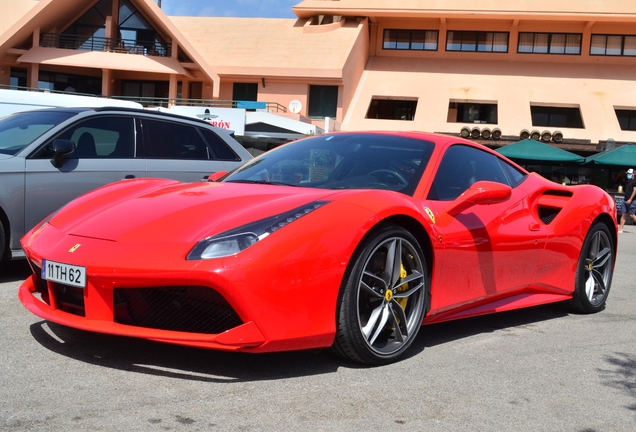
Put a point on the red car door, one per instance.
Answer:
(488, 249)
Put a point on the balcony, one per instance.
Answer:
(93, 43)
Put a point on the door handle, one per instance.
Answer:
(534, 227)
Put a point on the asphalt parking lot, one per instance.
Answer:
(539, 369)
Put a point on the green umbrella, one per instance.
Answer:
(531, 152)
(621, 157)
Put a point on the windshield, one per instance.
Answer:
(20, 129)
(342, 161)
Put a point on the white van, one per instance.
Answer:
(19, 100)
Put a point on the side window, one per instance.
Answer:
(514, 175)
(220, 149)
(170, 140)
(462, 166)
(102, 138)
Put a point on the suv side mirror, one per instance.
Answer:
(481, 192)
(61, 148)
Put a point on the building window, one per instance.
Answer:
(613, 45)
(477, 41)
(392, 109)
(323, 101)
(549, 43)
(417, 40)
(472, 112)
(554, 116)
(245, 92)
(626, 119)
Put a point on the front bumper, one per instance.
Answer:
(99, 315)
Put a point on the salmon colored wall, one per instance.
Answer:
(514, 86)
(353, 69)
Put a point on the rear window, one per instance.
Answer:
(20, 129)
(220, 150)
(170, 140)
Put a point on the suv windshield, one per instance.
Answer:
(342, 161)
(19, 130)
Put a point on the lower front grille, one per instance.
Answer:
(69, 299)
(192, 309)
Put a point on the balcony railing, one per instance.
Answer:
(149, 102)
(94, 43)
(153, 102)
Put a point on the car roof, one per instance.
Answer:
(124, 110)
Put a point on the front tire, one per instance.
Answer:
(384, 295)
(594, 271)
(3, 244)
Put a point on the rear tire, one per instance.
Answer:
(384, 295)
(594, 271)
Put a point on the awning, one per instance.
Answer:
(620, 157)
(529, 152)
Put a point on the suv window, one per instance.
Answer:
(21, 129)
(109, 137)
(462, 166)
(169, 140)
(220, 150)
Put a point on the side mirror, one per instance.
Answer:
(217, 176)
(61, 148)
(482, 192)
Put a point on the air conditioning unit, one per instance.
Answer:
(495, 134)
(557, 137)
(475, 133)
(546, 136)
(535, 135)
(465, 132)
(485, 133)
(524, 134)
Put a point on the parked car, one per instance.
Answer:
(350, 241)
(50, 156)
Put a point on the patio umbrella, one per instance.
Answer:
(620, 157)
(532, 152)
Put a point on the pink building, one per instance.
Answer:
(495, 68)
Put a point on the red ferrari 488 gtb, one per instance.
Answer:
(350, 241)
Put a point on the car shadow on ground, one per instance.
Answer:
(14, 271)
(142, 356)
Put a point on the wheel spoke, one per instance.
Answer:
(396, 309)
(595, 245)
(413, 276)
(601, 258)
(409, 292)
(600, 281)
(383, 320)
(589, 287)
(370, 290)
(393, 263)
(373, 319)
(376, 278)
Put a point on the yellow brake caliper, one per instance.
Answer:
(402, 288)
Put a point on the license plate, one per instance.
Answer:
(64, 273)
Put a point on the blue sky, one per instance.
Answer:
(230, 8)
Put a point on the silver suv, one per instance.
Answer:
(49, 157)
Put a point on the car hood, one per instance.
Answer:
(176, 212)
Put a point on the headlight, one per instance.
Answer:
(236, 240)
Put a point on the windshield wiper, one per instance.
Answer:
(265, 182)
